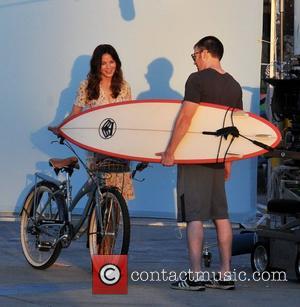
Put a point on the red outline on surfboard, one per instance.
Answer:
(177, 161)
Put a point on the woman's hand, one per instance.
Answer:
(54, 130)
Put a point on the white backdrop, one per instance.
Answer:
(45, 51)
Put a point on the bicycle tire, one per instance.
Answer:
(116, 237)
(37, 252)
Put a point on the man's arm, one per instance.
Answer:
(227, 170)
(181, 127)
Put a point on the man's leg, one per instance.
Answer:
(224, 233)
(194, 241)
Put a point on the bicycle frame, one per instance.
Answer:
(44, 177)
(90, 188)
(48, 223)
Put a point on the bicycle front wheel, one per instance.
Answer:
(111, 235)
(41, 225)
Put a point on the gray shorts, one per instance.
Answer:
(200, 193)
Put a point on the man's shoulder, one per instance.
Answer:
(208, 73)
(200, 74)
(197, 76)
(228, 75)
(193, 75)
(234, 81)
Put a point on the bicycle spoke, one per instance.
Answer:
(114, 236)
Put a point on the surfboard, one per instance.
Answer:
(137, 130)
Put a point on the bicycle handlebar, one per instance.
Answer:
(55, 130)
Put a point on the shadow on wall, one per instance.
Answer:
(79, 72)
(155, 196)
(158, 77)
(127, 9)
(42, 138)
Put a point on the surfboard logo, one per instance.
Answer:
(107, 128)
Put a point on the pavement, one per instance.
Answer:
(156, 245)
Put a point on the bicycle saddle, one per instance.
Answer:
(59, 164)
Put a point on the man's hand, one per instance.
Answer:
(167, 159)
(182, 124)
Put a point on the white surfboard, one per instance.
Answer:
(137, 130)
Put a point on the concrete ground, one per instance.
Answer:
(156, 245)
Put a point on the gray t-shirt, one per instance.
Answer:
(210, 86)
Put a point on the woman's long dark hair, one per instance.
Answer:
(94, 76)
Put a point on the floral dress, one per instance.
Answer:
(122, 181)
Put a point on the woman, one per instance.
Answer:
(105, 84)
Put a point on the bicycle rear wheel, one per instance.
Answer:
(41, 225)
(115, 237)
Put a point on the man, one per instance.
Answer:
(201, 188)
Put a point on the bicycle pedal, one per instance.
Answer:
(110, 233)
(65, 241)
(44, 246)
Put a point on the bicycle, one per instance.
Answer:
(46, 216)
